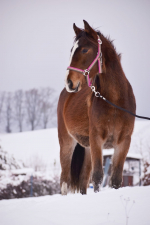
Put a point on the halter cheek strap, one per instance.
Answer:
(87, 71)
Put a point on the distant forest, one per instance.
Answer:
(28, 110)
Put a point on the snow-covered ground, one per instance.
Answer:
(28, 145)
(108, 207)
(38, 149)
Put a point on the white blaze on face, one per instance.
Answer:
(67, 73)
(73, 51)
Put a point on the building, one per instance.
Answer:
(131, 170)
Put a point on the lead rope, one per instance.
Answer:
(97, 94)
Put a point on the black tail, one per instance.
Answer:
(76, 166)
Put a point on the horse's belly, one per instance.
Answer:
(81, 135)
(82, 140)
(109, 142)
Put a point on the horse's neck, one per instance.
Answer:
(112, 85)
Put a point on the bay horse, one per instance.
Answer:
(87, 124)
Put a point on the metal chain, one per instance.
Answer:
(97, 94)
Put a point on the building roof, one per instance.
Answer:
(110, 152)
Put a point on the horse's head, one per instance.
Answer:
(83, 53)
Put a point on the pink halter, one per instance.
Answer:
(87, 71)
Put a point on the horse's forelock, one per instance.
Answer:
(86, 36)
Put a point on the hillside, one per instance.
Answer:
(41, 144)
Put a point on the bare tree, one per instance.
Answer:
(9, 111)
(36, 106)
(47, 106)
(19, 108)
(33, 107)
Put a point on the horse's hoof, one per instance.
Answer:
(64, 188)
(96, 187)
(97, 180)
(83, 192)
(115, 183)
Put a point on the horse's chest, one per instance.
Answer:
(77, 123)
(76, 118)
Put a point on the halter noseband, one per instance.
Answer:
(87, 71)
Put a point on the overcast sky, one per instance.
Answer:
(36, 37)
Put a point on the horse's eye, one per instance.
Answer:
(84, 50)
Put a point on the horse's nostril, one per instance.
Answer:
(70, 84)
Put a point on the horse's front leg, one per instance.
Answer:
(121, 150)
(85, 172)
(66, 150)
(97, 160)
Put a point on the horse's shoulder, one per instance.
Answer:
(62, 98)
(63, 91)
(63, 94)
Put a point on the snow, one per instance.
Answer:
(44, 144)
(7, 177)
(15, 177)
(23, 171)
(28, 145)
(39, 147)
(106, 207)
(8, 162)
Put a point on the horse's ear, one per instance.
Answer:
(90, 30)
(76, 29)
